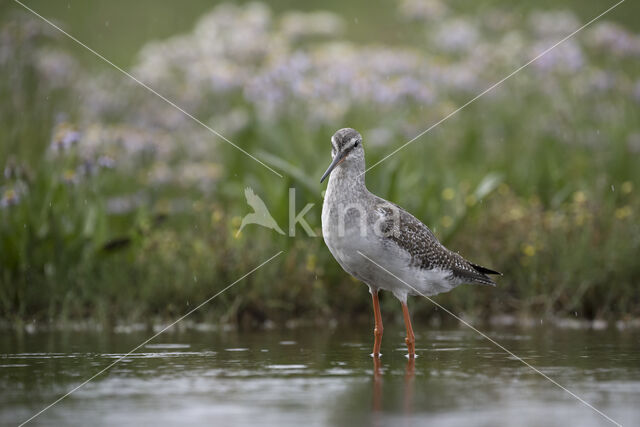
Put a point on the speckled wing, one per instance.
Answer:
(425, 250)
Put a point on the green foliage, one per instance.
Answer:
(122, 209)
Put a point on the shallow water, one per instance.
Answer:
(320, 377)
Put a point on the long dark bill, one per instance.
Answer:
(336, 161)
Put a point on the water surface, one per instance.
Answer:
(316, 376)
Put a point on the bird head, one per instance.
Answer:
(346, 148)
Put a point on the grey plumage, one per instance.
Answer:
(381, 244)
(427, 252)
(393, 237)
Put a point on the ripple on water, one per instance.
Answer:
(163, 354)
(352, 344)
(45, 355)
(456, 377)
(167, 346)
(339, 371)
(289, 369)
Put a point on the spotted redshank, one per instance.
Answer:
(375, 240)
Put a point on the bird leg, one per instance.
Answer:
(410, 339)
(377, 331)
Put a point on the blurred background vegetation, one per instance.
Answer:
(118, 208)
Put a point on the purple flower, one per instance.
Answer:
(611, 37)
(9, 198)
(106, 162)
(566, 57)
(457, 35)
(554, 23)
(64, 138)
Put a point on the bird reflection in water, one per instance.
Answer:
(408, 385)
(377, 385)
(409, 376)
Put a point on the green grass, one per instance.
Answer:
(538, 179)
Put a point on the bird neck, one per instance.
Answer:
(348, 177)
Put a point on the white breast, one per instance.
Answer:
(348, 244)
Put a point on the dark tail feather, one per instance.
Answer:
(481, 279)
(485, 270)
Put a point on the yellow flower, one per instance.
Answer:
(627, 187)
(579, 197)
(470, 200)
(623, 212)
(10, 194)
(199, 247)
(447, 221)
(448, 194)
(529, 250)
(515, 213)
(69, 176)
(216, 216)
(311, 263)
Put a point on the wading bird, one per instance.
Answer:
(381, 244)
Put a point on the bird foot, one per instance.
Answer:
(411, 346)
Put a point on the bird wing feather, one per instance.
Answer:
(426, 252)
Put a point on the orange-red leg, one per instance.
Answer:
(411, 339)
(377, 331)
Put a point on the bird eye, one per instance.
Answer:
(356, 144)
